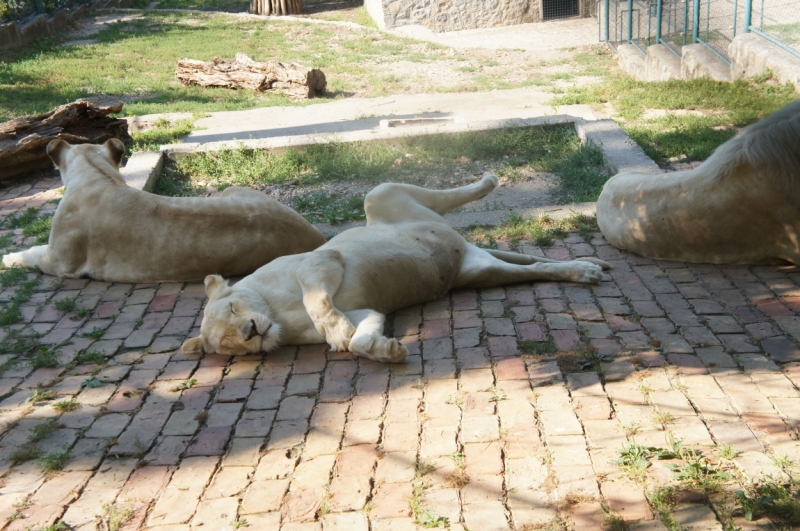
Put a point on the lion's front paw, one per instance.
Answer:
(339, 337)
(588, 273)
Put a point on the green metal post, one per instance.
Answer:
(748, 15)
(659, 7)
(630, 21)
(685, 20)
(696, 26)
(606, 17)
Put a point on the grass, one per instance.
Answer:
(44, 357)
(114, 516)
(40, 395)
(30, 222)
(551, 148)
(96, 333)
(163, 132)
(726, 106)
(136, 60)
(322, 207)
(542, 231)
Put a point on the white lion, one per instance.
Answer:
(339, 294)
(741, 206)
(106, 230)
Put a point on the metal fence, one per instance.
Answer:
(22, 9)
(713, 23)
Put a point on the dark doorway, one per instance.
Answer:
(553, 9)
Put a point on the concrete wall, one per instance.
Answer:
(750, 55)
(16, 34)
(453, 15)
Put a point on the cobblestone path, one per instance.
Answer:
(508, 414)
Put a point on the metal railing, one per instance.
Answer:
(713, 23)
(22, 9)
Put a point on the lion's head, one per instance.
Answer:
(78, 161)
(235, 322)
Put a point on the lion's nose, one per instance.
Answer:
(253, 330)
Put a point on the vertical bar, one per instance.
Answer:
(748, 14)
(659, 8)
(735, 11)
(630, 21)
(685, 20)
(696, 26)
(606, 17)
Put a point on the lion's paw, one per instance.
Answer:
(588, 273)
(338, 338)
(13, 259)
(379, 348)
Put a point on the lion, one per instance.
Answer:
(741, 206)
(106, 230)
(340, 293)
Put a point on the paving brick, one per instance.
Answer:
(627, 500)
(781, 350)
(348, 493)
(168, 450)
(565, 339)
(391, 500)
(210, 441)
(487, 516)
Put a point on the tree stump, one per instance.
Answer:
(276, 7)
(23, 141)
(295, 80)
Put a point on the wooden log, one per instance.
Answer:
(23, 141)
(293, 79)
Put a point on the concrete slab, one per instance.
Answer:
(697, 61)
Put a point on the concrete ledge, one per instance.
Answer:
(697, 62)
(620, 152)
(632, 61)
(143, 170)
(661, 64)
(752, 55)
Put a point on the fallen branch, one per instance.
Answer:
(295, 80)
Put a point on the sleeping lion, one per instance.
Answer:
(106, 230)
(340, 293)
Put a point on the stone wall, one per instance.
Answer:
(15, 34)
(453, 15)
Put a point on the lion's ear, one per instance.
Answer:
(194, 345)
(56, 150)
(214, 283)
(115, 149)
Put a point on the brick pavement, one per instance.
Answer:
(475, 427)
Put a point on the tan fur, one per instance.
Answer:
(741, 206)
(109, 231)
(339, 294)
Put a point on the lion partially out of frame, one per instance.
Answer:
(340, 293)
(105, 230)
(741, 206)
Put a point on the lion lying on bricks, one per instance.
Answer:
(741, 206)
(340, 293)
(106, 230)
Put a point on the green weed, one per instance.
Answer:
(781, 503)
(96, 333)
(26, 453)
(91, 382)
(40, 395)
(91, 356)
(55, 461)
(44, 357)
(115, 516)
(42, 431)
(163, 132)
(64, 406)
(188, 384)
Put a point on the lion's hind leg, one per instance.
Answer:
(526, 259)
(480, 269)
(395, 203)
(369, 341)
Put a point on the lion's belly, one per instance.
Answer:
(392, 266)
